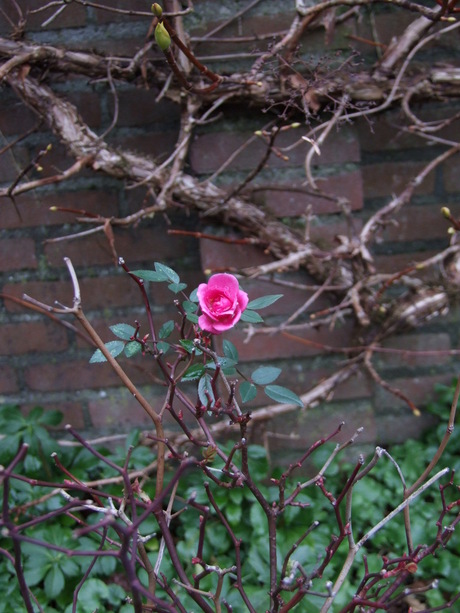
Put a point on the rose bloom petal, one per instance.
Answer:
(222, 302)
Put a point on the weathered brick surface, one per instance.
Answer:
(34, 210)
(388, 178)
(210, 151)
(73, 16)
(365, 164)
(8, 380)
(17, 254)
(33, 337)
(286, 203)
(56, 376)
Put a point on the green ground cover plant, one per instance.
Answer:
(192, 521)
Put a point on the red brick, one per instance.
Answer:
(73, 16)
(324, 232)
(79, 375)
(17, 254)
(398, 427)
(8, 380)
(416, 223)
(218, 256)
(209, 151)
(382, 132)
(111, 16)
(32, 337)
(155, 144)
(44, 291)
(138, 107)
(16, 117)
(35, 210)
(389, 178)
(303, 428)
(275, 346)
(295, 203)
(393, 263)
(122, 412)
(88, 105)
(57, 159)
(72, 412)
(103, 292)
(141, 244)
(419, 389)
(419, 343)
(9, 170)
(451, 176)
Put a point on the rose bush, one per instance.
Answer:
(222, 303)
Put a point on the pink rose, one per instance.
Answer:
(221, 302)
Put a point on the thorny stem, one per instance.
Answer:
(354, 550)
(437, 456)
(11, 528)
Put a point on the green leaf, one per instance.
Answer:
(51, 418)
(163, 346)
(168, 273)
(54, 582)
(177, 287)
(223, 363)
(251, 317)
(132, 348)
(265, 374)
(166, 329)
(192, 317)
(113, 347)
(248, 391)
(36, 413)
(282, 395)
(264, 301)
(34, 572)
(190, 346)
(230, 351)
(93, 593)
(194, 372)
(149, 275)
(123, 331)
(194, 295)
(189, 307)
(205, 390)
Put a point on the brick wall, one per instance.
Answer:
(367, 162)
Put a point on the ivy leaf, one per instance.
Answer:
(251, 317)
(230, 351)
(283, 395)
(132, 348)
(265, 374)
(264, 301)
(248, 391)
(123, 331)
(166, 329)
(113, 347)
